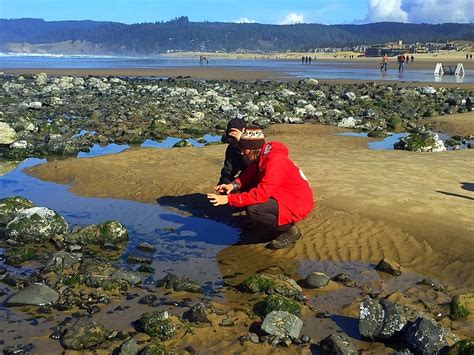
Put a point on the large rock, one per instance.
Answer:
(178, 283)
(371, 318)
(99, 234)
(7, 134)
(280, 303)
(159, 324)
(389, 266)
(132, 278)
(84, 334)
(317, 280)
(395, 319)
(282, 324)
(11, 206)
(36, 224)
(425, 336)
(277, 283)
(462, 306)
(421, 142)
(35, 294)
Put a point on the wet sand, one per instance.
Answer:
(415, 208)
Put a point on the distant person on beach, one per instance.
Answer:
(309, 60)
(412, 58)
(401, 63)
(467, 56)
(234, 162)
(384, 62)
(302, 60)
(274, 190)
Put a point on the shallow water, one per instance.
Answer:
(386, 143)
(292, 68)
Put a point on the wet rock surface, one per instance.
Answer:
(425, 336)
(316, 280)
(282, 324)
(35, 294)
(337, 344)
(178, 283)
(280, 284)
(84, 334)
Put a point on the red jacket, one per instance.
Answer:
(274, 175)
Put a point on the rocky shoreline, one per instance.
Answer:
(74, 278)
(47, 116)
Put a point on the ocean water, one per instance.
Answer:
(287, 68)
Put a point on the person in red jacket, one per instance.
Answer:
(274, 190)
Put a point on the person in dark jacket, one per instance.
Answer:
(274, 190)
(234, 162)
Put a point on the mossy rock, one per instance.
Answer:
(462, 306)
(20, 254)
(84, 334)
(463, 347)
(280, 303)
(182, 143)
(280, 284)
(11, 206)
(99, 234)
(155, 348)
(377, 134)
(36, 224)
(159, 325)
(416, 142)
(396, 124)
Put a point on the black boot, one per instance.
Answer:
(285, 239)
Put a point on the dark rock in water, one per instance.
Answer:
(278, 283)
(139, 259)
(463, 347)
(280, 303)
(158, 324)
(36, 224)
(146, 247)
(15, 280)
(461, 306)
(339, 344)
(35, 294)
(18, 349)
(389, 266)
(146, 269)
(182, 143)
(197, 314)
(132, 278)
(370, 318)
(282, 324)
(178, 283)
(344, 279)
(148, 300)
(316, 280)
(63, 260)
(129, 347)
(155, 348)
(11, 206)
(108, 232)
(425, 336)
(84, 334)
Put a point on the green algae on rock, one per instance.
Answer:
(280, 303)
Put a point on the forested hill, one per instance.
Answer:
(152, 38)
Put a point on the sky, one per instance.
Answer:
(245, 11)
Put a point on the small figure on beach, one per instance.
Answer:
(274, 190)
(302, 60)
(203, 59)
(384, 64)
(412, 58)
(401, 63)
(234, 162)
(309, 60)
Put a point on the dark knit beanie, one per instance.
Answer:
(252, 138)
(235, 123)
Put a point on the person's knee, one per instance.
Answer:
(253, 211)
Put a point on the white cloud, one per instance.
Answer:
(292, 18)
(245, 20)
(386, 10)
(418, 11)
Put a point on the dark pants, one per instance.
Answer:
(266, 214)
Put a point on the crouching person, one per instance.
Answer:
(274, 190)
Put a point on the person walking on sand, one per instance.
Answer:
(274, 190)
(234, 162)
(385, 62)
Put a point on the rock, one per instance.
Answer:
(182, 143)
(84, 334)
(339, 344)
(347, 122)
(108, 232)
(389, 266)
(158, 324)
(462, 306)
(7, 134)
(178, 283)
(425, 336)
(395, 319)
(11, 206)
(63, 260)
(280, 303)
(36, 294)
(371, 318)
(36, 224)
(277, 283)
(129, 347)
(282, 324)
(132, 278)
(427, 90)
(349, 96)
(18, 349)
(155, 348)
(35, 105)
(146, 247)
(197, 314)
(139, 259)
(316, 280)
(41, 79)
(421, 142)
(344, 279)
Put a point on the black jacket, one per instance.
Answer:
(234, 164)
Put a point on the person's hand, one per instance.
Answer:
(224, 188)
(235, 133)
(218, 200)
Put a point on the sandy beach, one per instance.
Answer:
(415, 208)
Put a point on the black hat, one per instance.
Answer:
(238, 123)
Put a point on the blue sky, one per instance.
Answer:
(261, 11)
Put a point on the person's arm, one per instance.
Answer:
(275, 172)
(229, 170)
